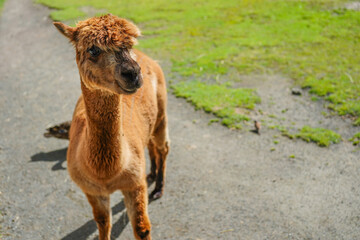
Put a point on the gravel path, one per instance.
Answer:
(221, 184)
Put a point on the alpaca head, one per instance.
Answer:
(104, 53)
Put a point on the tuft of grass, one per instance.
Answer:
(314, 98)
(211, 121)
(224, 102)
(357, 122)
(272, 116)
(284, 131)
(355, 139)
(322, 137)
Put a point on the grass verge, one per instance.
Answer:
(311, 41)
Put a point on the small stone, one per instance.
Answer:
(296, 91)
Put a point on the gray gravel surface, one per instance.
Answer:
(221, 184)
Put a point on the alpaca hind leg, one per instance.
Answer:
(161, 149)
(136, 202)
(153, 155)
(102, 214)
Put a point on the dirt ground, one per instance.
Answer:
(221, 184)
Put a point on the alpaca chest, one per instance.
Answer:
(105, 174)
(125, 179)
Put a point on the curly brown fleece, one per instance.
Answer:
(106, 32)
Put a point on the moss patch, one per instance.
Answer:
(224, 102)
(322, 137)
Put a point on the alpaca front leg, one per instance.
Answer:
(136, 202)
(102, 214)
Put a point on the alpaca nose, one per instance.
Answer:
(132, 78)
(129, 76)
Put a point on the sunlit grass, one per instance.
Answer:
(314, 42)
(224, 102)
(67, 14)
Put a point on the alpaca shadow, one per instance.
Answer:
(83, 232)
(58, 156)
(86, 230)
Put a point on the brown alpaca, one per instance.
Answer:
(122, 110)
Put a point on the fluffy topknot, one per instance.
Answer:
(106, 32)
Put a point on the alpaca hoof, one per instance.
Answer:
(143, 234)
(156, 194)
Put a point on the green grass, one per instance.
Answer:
(322, 137)
(67, 14)
(311, 41)
(226, 103)
(1, 5)
(284, 131)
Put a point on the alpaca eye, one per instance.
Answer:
(94, 51)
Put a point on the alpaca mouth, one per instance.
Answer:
(127, 91)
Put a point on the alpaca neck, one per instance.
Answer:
(104, 130)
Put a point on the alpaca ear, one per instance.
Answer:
(66, 30)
